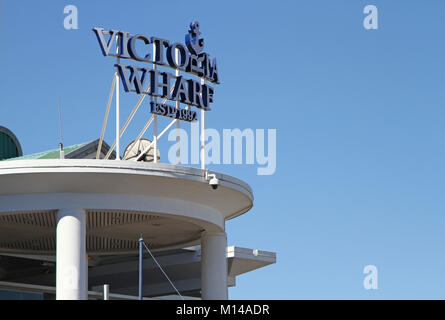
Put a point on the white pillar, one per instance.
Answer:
(213, 266)
(106, 292)
(72, 262)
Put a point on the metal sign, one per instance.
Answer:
(188, 58)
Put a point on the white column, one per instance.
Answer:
(213, 266)
(72, 262)
(106, 292)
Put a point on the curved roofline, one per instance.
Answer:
(14, 138)
(125, 167)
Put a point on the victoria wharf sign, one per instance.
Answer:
(188, 58)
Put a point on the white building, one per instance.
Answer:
(70, 226)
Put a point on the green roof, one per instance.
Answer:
(9, 145)
(50, 154)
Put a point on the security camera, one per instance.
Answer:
(212, 179)
(214, 183)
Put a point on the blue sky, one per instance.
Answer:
(359, 117)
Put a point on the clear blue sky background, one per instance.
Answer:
(359, 116)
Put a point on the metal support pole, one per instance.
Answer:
(117, 103)
(106, 292)
(155, 138)
(104, 125)
(203, 142)
(178, 123)
(141, 245)
(155, 120)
